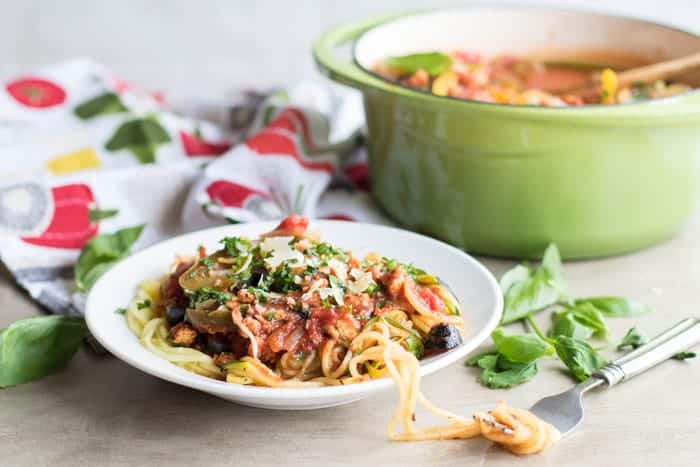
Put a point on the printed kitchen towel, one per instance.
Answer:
(82, 154)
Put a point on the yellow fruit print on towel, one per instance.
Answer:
(82, 159)
(141, 137)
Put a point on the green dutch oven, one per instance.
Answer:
(507, 180)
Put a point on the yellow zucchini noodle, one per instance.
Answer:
(375, 352)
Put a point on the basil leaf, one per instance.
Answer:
(525, 348)
(615, 307)
(101, 253)
(107, 103)
(433, 63)
(500, 373)
(581, 359)
(36, 347)
(632, 340)
(519, 273)
(684, 355)
(589, 316)
(540, 288)
(486, 360)
(564, 324)
(551, 262)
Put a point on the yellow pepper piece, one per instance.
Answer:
(443, 83)
(82, 159)
(608, 86)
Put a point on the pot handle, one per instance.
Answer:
(338, 69)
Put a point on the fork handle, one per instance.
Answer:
(680, 337)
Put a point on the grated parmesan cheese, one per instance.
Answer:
(339, 269)
(281, 251)
(361, 282)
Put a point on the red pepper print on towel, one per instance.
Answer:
(74, 221)
(289, 135)
(295, 121)
(36, 92)
(271, 142)
(230, 194)
(194, 145)
(358, 175)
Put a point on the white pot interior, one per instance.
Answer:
(544, 31)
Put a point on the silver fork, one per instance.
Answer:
(565, 411)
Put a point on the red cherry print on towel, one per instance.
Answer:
(195, 146)
(36, 92)
(232, 194)
(70, 225)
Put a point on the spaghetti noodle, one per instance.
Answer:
(291, 311)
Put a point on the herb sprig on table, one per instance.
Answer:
(575, 322)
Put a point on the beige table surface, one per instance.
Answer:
(102, 412)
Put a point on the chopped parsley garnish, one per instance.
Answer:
(236, 246)
(335, 282)
(372, 288)
(390, 263)
(144, 304)
(326, 303)
(260, 294)
(281, 280)
(326, 251)
(208, 262)
(120, 311)
(197, 297)
(381, 304)
(270, 316)
(413, 271)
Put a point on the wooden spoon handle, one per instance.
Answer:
(656, 71)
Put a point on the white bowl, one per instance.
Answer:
(475, 288)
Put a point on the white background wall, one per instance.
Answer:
(206, 47)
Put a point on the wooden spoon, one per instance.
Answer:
(647, 73)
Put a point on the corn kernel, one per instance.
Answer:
(444, 82)
(608, 86)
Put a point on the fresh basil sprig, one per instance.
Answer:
(528, 290)
(101, 253)
(36, 347)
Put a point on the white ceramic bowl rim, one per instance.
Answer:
(192, 380)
